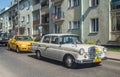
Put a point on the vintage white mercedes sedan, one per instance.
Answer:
(68, 49)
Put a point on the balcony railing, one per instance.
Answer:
(58, 1)
(36, 7)
(36, 22)
(58, 17)
(115, 36)
(45, 3)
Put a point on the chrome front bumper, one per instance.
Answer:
(87, 61)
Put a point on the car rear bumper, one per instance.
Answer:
(26, 49)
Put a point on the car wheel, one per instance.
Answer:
(5, 44)
(38, 54)
(69, 62)
(17, 50)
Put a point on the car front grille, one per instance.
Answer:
(91, 52)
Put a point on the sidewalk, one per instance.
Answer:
(113, 55)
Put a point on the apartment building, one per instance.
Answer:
(115, 21)
(96, 19)
(45, 16)
(36, 16)
(20, 17)
(92, 20)
(66, 16)
(25, 12)
(4, 20)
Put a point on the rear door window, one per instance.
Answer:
(54, 40)
(46, 39)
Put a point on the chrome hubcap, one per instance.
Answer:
(69, 61)
(38, 55)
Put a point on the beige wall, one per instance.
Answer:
(102, 13)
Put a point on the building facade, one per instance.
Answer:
(96, 23)
(26, 18)
(115, 21)
(90, 19)
(4, 21)
(93, 20)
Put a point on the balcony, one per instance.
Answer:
(36, 17)
(44, 11)
(115, 35)
(57, 2)
(36, 22)
(36, 7)
(115, 5)
(58, 17)
(45, 19)
(45, 3)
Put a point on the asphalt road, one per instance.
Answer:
(13, 64)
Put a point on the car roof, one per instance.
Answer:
(59, 34)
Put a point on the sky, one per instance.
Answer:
(5, 3)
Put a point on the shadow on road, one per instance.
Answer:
(47, 60)
(79, 66)
(22, 52)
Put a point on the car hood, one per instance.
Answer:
(77, 47)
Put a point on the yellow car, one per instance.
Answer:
(20, 43)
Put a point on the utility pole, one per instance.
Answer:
(18, 32)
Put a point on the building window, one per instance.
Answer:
(76, 2)
(116, 23)
(22, 6)
(73, 3)
(74, 25)
(23, 19)
(28, 18)
(94, 25)
(36, 15)
(93, 3)
(58, 12)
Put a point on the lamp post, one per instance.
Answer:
(40, 30)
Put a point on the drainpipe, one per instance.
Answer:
(51, 26)
(82, 20)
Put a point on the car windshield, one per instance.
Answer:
(70, 39)
(23, 38)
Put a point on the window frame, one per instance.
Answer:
(93, 3)
(94, 25)
(73, 3)
(52, 37)
(46, 37)
(72, 26)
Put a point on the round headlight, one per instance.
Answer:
(81, 51)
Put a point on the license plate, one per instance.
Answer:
(97, 60)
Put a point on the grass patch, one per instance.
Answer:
(114, 49)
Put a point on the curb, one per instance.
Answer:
(113, 59)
